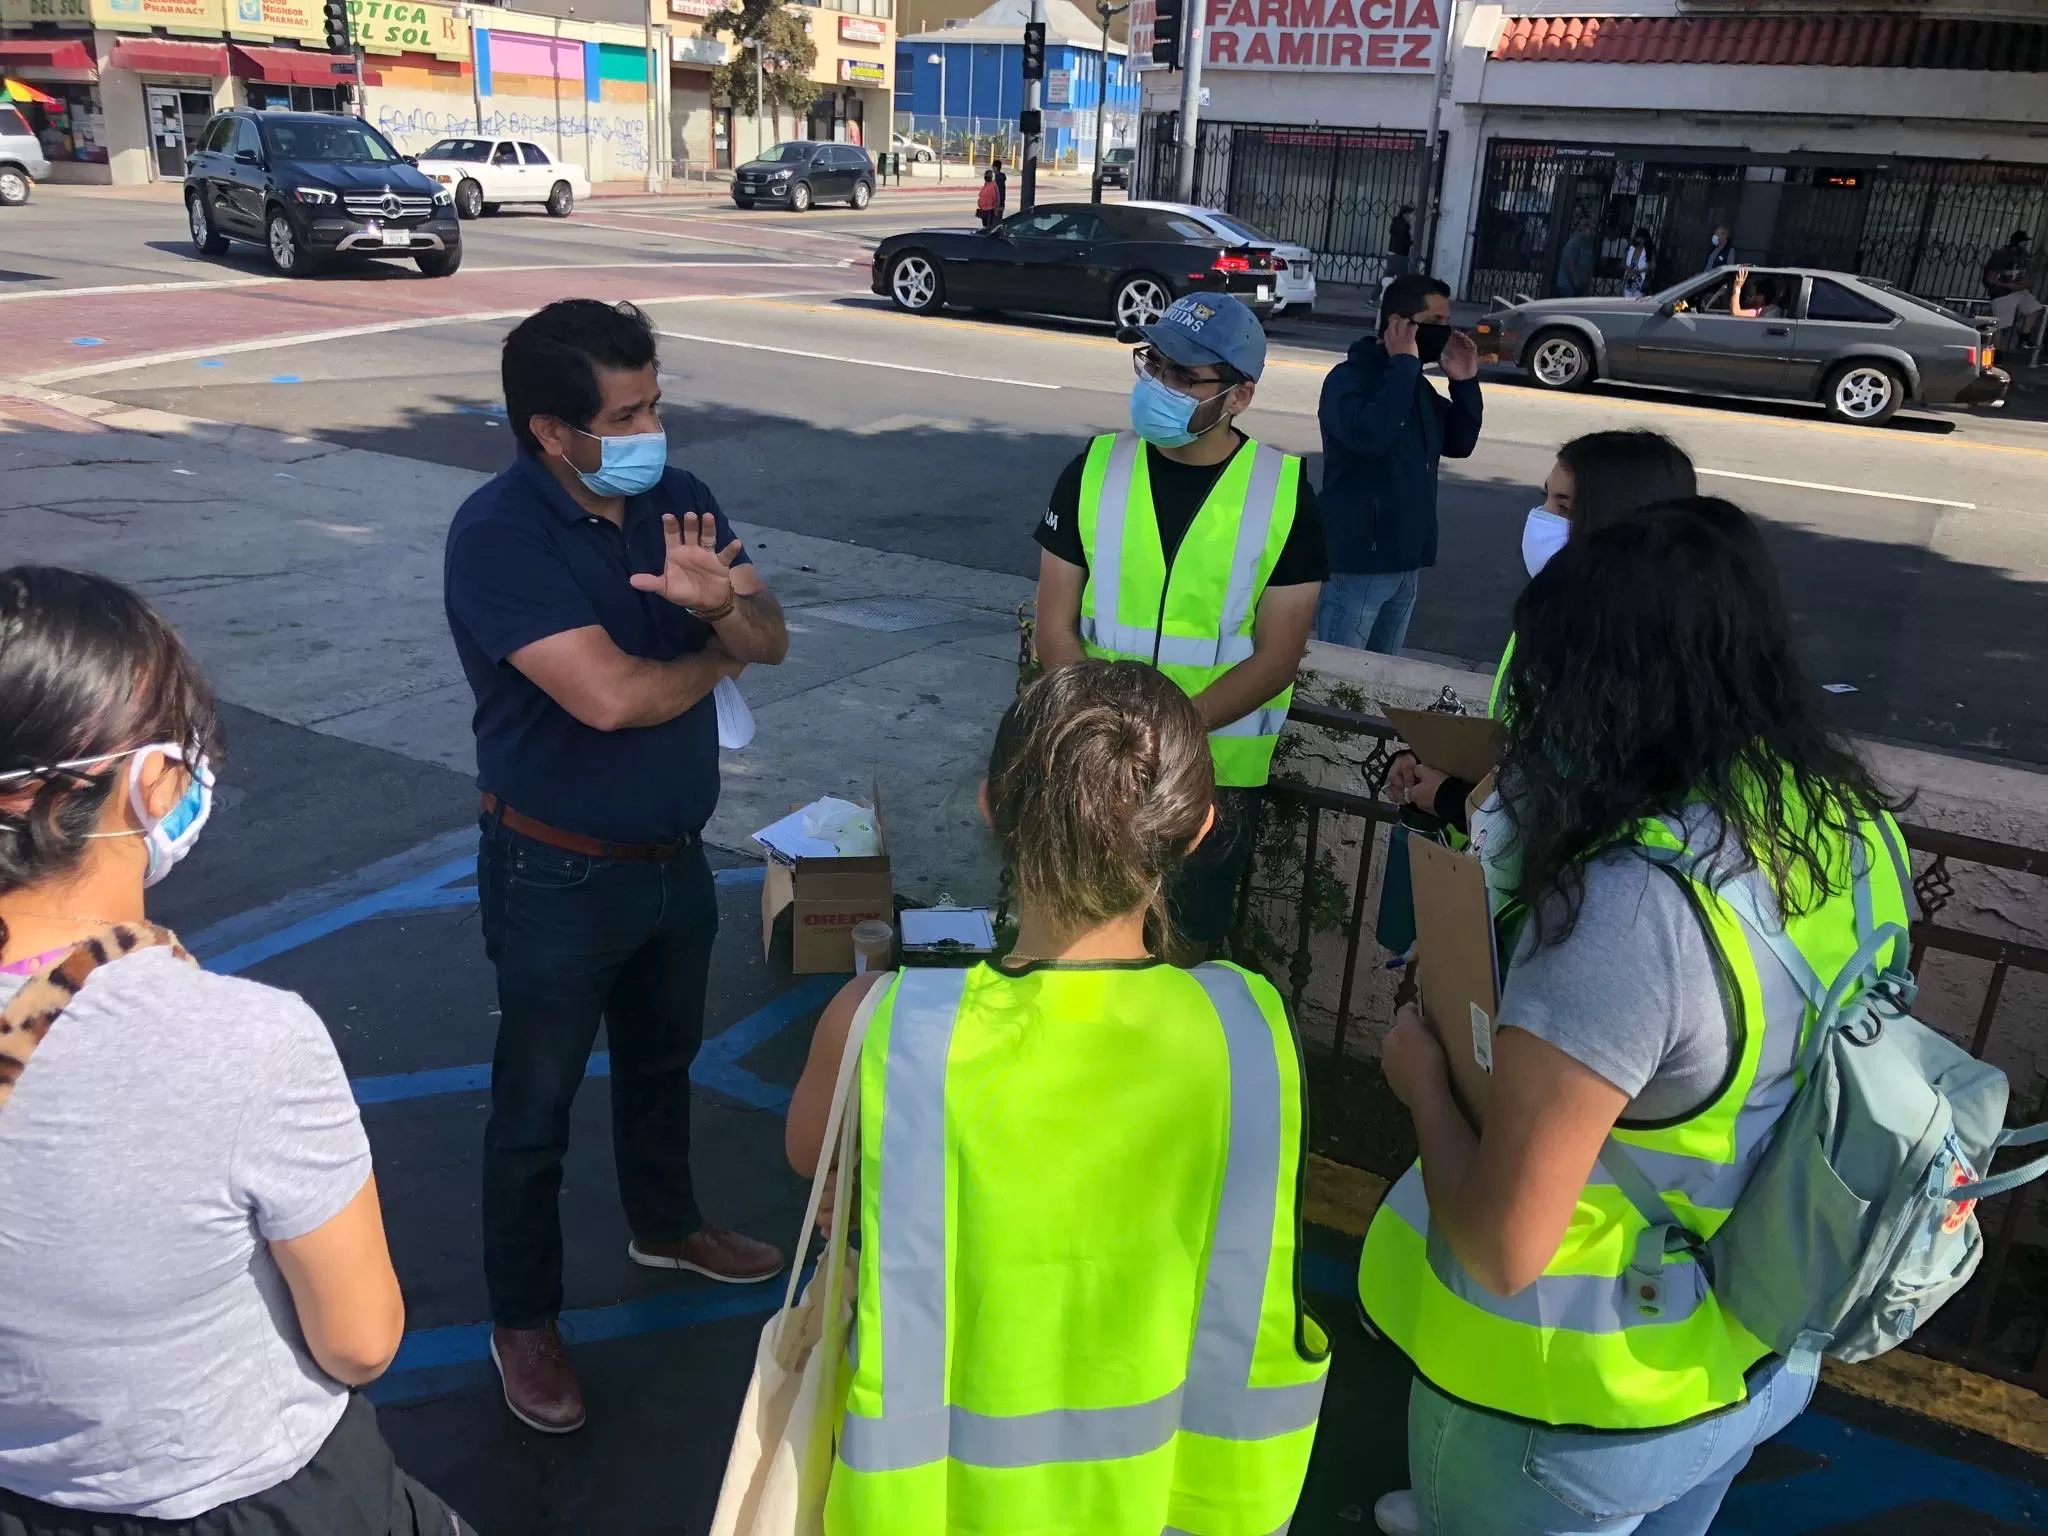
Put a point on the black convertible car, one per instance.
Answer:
(1097, 261)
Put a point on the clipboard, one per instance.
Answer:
(1464, 746)
(1459, 967)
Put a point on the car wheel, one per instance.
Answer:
(1140, 300)
(13, 187)
(800, 196)
(863, 194)
(286, 254)
(469, 201)
(1864, 393)
(1561, 360)
(924, 157)
(439, 263)
(561, 201)
(915, 284)
(209, 243)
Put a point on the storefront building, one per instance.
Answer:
(700, 129)
(1905, 144)
(134, 81)
(856, 43)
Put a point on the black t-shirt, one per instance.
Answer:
(1178, 491)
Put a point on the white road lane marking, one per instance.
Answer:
(800, 234)
(668, 266)
(677, 234)
(348, 333)
(166, 287)
(1842, 490)
(859, 362)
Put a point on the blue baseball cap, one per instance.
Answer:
(1205, 328)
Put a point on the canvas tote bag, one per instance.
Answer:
(781, 1458)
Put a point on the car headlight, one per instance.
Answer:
(443, 197)
(317, 195)
(783, 175)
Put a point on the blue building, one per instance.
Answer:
(981, 63)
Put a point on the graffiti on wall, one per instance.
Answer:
(611, 141)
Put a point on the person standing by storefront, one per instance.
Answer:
(1400, 242)
(596, 597)
(1186, 545)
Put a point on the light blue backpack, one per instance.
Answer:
(1860, 1219)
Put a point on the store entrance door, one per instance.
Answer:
(175, 118)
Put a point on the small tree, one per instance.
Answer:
(787, 56)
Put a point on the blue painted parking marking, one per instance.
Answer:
(284, 378)
(87, 341)
(209, 362)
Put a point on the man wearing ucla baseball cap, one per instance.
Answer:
(1186, 545)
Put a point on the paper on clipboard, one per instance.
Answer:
(1463, 746)
(1458, 969)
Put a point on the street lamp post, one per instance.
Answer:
(939, 59)
(760, 95)
(1105, 10)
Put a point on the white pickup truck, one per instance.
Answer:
(483, 173)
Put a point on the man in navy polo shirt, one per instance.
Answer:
(597, 597)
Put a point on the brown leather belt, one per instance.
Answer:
(576, 842)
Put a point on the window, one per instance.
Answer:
(246, 137)
(457, 149)
(11, 123)
(533, 154)
(343, 141)
(1184, 228)
(504, 154)
(1831, 301)
(219, 136)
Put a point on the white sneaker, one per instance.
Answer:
(1396, 1514)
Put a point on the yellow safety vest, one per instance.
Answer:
(1077, 1301)
(1192, 620)
(1500, 677)
(1581, 1346)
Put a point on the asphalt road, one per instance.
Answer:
(1915, 556)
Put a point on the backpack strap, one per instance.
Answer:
(35, 1007)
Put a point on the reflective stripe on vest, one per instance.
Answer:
(1126, 614)
(1500, 678)
(917, 1424)
(1578, 1346)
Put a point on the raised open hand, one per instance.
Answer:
(1461, 357)
(695, 573)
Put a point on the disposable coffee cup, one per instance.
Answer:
(874, 943)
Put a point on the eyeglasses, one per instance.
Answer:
(1147, 362)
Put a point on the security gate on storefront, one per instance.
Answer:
(1334, 190)
(1924, 225)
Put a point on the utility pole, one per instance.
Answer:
(1431, 193)
(1105, 10)
(939, 58)
(760, 95)
(1194, 41)
(657, 87)
(1031, 121)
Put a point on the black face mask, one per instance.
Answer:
(1430, 341)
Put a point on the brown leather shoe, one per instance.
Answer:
(540, 1384)
(714, 1253)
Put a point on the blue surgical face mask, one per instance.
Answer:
(1161, 415)
(627, 466)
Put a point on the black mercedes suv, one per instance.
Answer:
(312, 187)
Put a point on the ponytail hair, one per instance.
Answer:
(1098, 784)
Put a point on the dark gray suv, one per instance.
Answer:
(314, 187)
(801, 172)
(1860, 347)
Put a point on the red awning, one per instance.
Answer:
(46, 53)
(289, 66)
(1866, 42)
(161, 57)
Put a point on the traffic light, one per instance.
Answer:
(338, 40)
(1034, 50)
(1167, 18)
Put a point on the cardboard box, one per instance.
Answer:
(825, 898)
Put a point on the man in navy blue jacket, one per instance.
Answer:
(1384, 431)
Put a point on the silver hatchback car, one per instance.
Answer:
(22, 162)
(1859, 347)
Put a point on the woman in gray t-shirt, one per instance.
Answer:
(191, 1250)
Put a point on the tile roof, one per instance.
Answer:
(1875, 41)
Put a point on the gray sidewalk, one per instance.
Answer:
(307, 579)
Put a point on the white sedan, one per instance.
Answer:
(487, 173)
(1294, 283)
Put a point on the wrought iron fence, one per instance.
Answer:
(1335, 190)
(1300, 902)
(1925, 225)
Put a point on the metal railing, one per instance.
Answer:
(1997, 1325)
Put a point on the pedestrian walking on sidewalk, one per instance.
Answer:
(985, 200)
(596, 597)
(1385, 430)
(191, 1248)
(1002, 192)
(1144, 555)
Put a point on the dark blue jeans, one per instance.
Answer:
(577, 939)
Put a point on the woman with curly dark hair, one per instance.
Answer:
(1661, 746)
